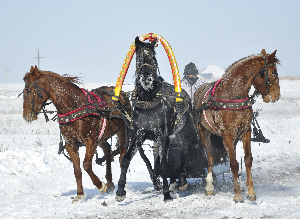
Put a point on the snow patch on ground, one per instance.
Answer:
(36, 182)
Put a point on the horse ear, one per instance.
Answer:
(263, 51)
(272, 56)
(137, 43)
(31, 69)
(35, 72)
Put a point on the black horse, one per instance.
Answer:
(158, 117)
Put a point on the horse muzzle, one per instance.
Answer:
(30, 117)
(270, 99)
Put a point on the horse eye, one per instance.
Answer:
(40, 94)
(28, 91)
(275, 72)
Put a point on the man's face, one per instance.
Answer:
(191, 76)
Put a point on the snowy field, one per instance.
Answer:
(36, 182)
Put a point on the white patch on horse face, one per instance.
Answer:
(146, 82)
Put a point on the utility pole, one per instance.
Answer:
(6, 74)
(38, 57)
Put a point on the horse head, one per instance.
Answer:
(146, 82)
(34, 97)
(266, 82)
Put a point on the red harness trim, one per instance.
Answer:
(227, 101)
(74, 111)
(100, 102)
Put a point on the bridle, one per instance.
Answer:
(37, 93)
(140, 59)
(264, 72)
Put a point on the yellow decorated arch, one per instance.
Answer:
(172, 60)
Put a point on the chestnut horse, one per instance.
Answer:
(77, 126)
(224, 108)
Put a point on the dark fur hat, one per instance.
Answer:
(190, 69)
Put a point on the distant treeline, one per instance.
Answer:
(291, 78)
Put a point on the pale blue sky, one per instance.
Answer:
(90, 39)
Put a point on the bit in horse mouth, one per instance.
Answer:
(26, 119)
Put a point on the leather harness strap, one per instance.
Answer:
(86, 111)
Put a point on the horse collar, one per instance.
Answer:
(146, 104)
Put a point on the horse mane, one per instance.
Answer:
(73, 79)
(245, 59)
(65, 78)
(240, 62)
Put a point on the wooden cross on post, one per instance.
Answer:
(38, 57)
(6, 74)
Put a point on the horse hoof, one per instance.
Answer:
(172, 188)
(184, 187)
(157, 187)
(251, 197)
(78, 198)
(103, 189)
(120, 198)
(167, 197)
(238, 199)
(110, 189)
(168, 200)
(210, 193)
(157, 184)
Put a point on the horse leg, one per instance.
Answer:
(107, 153)
(172, 171)
(73, 152)
(156, 171)
(164, 170)
(153, 176)
(91, 146)
(248, 163)
(234, 166)
(205, 139)
(182, 184)
(122, 139)
(121, 193)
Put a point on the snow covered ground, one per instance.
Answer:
(36, 182)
